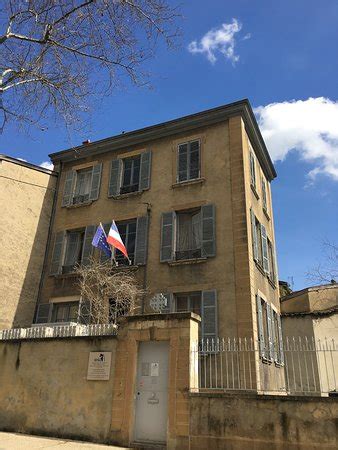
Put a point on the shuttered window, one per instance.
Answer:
(82, 186)
(43, 313)
(127, 230)
(188, 161)
(269, 332)
(130, 174)
(72, 248)
(65, 312)
(265, 252)
(264, 196)
(188, 234)
(252, 170)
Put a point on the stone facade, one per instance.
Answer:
(26, 199)
(227, 136)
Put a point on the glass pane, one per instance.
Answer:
(181, 303)
(183, 163)
(195, 303)
(61, 313)
(72, 250)
(194, 164)
(73, 312)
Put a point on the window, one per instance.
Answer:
(82, 186)
(131, 174)
(269, 332)
(127, 232)
(188, 235)
(203, 303)
(73, 252)
(263, 252)
(264, 196)
(188, 161)
(252, 170)
(272, 264)
(189, 302)
(65, 312)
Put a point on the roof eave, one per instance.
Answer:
(187, 123)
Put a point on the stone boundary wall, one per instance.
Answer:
(263, 422)
(44, 390)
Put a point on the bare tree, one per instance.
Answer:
(327, 271)
(111, 292)
(55, 54)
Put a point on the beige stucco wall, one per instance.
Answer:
(26, 197)
(240, 422)
(44, 390)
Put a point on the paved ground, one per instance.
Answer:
(9, 441)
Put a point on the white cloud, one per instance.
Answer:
(309, 127)
(218, 40)
(47, 165)
(21, 159)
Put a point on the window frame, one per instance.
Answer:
(197, 210)
(132, 159)
(120, 258)
(88, 170)
(68, 305)
(188, 179)
(82, 232)
(253, 178)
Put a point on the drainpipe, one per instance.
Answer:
(144, 287)
(49, 237)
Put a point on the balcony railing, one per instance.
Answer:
(78, 199)
(129, 189)
(188, 254)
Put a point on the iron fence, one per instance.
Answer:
(306, 366)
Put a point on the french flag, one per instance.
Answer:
(115, 240)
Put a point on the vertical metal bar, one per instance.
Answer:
(333, 369)
(215, 357)
(221, 356)
(313, 350)
(306, 368)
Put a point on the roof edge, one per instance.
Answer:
(27, 164)
(189, 122)
(308, 289)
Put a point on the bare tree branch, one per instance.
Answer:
(57, 54)
(326, 271)
(112, 292)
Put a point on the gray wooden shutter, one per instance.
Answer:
(167, 236)
(169, 306)
(57, 256)
(254, 236)
(209, 315)
(103, 255)
(141, 244)
(252, 170)
(182, 163)
(87, 248)
(265, 249)
(96, 182)
(43, 313)
(260, 327)
(84, 315)
(280, 340)
(68, 188)
(208, 231)
(270, 331)
(115, 177)
(145, 171)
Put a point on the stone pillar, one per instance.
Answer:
(181, 330)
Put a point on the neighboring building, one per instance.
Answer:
(310, 325)
(192, 200)
(26, 199)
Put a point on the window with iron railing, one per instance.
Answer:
(73, 251)
(131, 175)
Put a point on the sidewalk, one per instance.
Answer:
(13, 441)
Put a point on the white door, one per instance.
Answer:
(151, 395)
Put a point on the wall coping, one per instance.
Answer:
(164, 316)
(256, 396)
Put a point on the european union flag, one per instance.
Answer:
(100, 241)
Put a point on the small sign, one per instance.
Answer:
(99, 366)
(154, 369)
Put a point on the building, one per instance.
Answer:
(192, 200)
(310, 327)
(26, 199)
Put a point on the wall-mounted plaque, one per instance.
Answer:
(99, 366)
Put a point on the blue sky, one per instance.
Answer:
(278, 52)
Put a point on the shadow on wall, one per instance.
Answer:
(26, 302)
